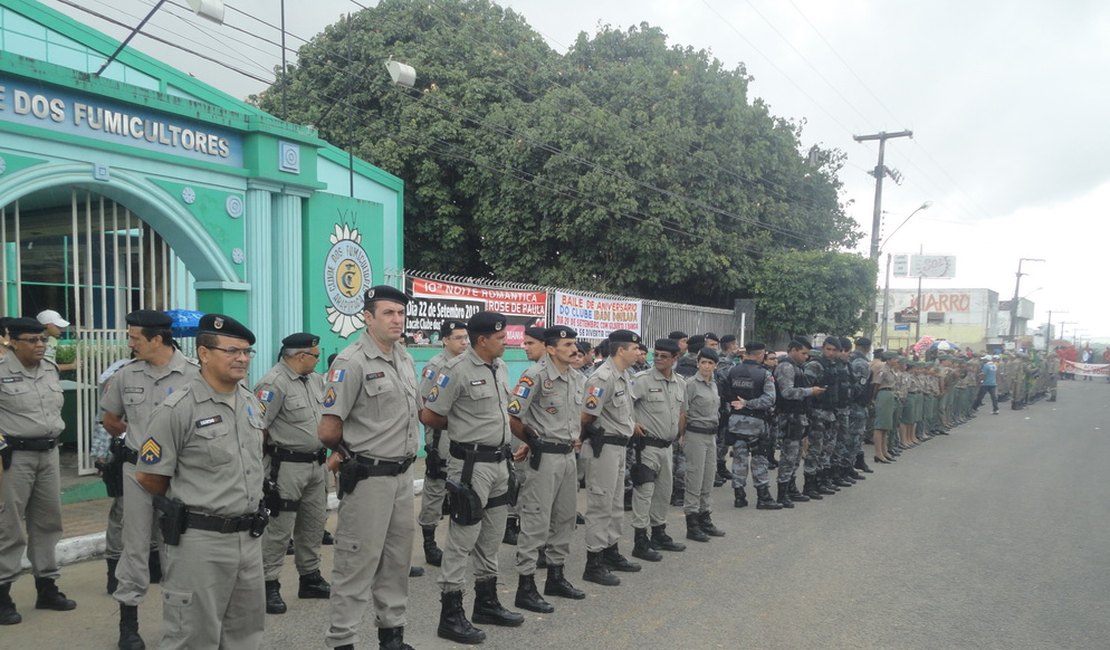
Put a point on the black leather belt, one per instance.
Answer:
(482, 453)
(619, 441)
(217, 524)
(368, 467)
(130, 455)
(748, 413)
(287, 456)
(658, 443)
(696, 429)
(556, 447)
(31, 444)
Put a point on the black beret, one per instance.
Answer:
(845, 343)
(17, 326)
(641, 346)
(801, 340)
(384, 292)
(709, 353)
(603, 348)
(624, 336)
(221, 325)
(558, 332)
(677, 335)
(887, 356)
(537, 333)
(485, 322)
(696, 340)
(833, 341)
(450, 325)
(728, 338)
(148, 318)
(863, 342)
(300, 340)
(666, 345)
(584, 347)
(755, 346)
(710, 336)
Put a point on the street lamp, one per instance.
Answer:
(886, 285)
(1048, 329)
(1017, 287)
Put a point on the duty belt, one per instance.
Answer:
(556, 447)
(481, 453)
(368, 467)
(619, 441)
(287, 456)
(130, 455)
(696, 429)
(31, 444)
(658, 443)
(217, 524)
(749, 413)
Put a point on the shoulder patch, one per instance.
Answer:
(265, 396)
(429, 373)
(527, 381)
(151, 452)
(597, 391)
(591, 402)
(522, 390)
(514, 407)
(433, 394)
(443, 380)
(337, 375)
(329, 397)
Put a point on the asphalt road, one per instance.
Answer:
(997, 536)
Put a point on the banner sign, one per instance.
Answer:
(594, 318)
(1086, 369)
(434, 301)
(924, 266)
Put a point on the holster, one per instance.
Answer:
(260, 520)
(173, 520)
(348, 477)
(6, 457)
(514, 482)
(466, 508)
(640, 472)
(271, 500)
(433, 464)
(594, 434)
(535, 448)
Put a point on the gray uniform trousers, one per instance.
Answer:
(651, 500)
(792, 428)
(819, 423)
(213, 594)
(373, 554)
(113, 536)
(843, 437)
(479, 542)
(141, 537)
(32, 492)
(701, 467)
(307, 484)
(547, 502)
(749, 450)
(604, 496)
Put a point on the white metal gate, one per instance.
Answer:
(115, 263)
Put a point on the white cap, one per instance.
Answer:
(51, 317)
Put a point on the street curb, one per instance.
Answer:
(87, 547)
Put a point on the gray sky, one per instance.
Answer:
(1006, 100)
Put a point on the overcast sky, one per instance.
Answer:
(1007, 101)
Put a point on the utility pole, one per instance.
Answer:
(1048, 330)
(876, 220)
(1014, 302)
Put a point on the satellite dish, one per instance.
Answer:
(211, 9)
(402, 74)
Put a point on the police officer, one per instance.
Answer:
(837, 439)
(471, 397)
(750, 392)
(31, 421)
(606, 427)
(703, 409)
(861, 376)
(202, 452)
(370, 410)
(290, 394)
(452, 333)
(535, 351)
(544, 413)
(820, 372)
(792, 408)
(157, 371)
(730, 356)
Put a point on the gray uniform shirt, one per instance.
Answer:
(138, 387)
(607, 397)
(375, 395)
(550, 401)
(30, 399)
(703, 403)
(474, 397)
(210, 445)
(658, 403)
(291, 407)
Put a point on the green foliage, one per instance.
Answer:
(798, 292)
(626, 165)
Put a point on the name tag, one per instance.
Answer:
(478, 382)
(133, 389)
(655, 390)
(618, 393)
(375, 375)
(207, 422)
(10, 380)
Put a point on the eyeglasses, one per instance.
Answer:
(34, 340)
(233, 352)
(314, 356)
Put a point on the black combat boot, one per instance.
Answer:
(392, 638)
(432, 554)
(642, 547)
(488, 609)
(861, 464)
(113, 583)
(795, 495)
(764, 500)
(824, 484)
(313, 585)
(661, 541)
(811, 489)
(693, 528)
(558, 585)
(541, 558)
(8, 615)
(784, 496)
(452, 620)
(274, 603)
(596, 571)
(50, 598)
(836, 476)
(617, 562)
(722, 473)
(852, 474)
(328, 540)
(628, 500)
(529, 598)
(129, 638)
(708, 526)
(740, 499)
(154, 566)
(512, 530)
(678, 499)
